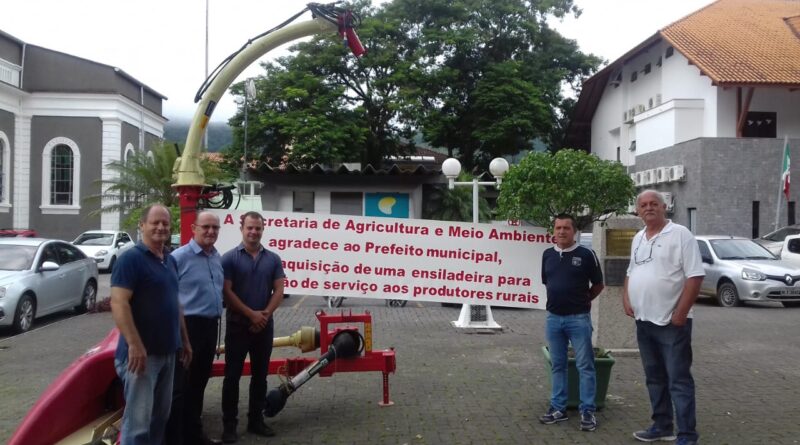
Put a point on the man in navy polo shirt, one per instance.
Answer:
(200, 281)
(253, 290)
(573, 279)
(144, 305)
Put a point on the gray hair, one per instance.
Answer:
(657, 194)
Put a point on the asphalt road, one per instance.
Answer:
(455, 387)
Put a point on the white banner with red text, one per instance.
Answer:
(404, 259)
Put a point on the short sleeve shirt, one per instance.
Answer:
(200, 280)
(251, 278)
(658, 269)
(568, 274)
(154, 303)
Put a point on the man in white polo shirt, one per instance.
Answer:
(662, 285)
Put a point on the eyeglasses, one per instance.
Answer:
(208, 227)
(649, 258)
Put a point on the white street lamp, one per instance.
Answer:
(451, 169)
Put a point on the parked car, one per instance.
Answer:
(39, 277)
(739, 269)
(773, 241)
(105, 246)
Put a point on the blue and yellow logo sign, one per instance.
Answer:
(392, 205)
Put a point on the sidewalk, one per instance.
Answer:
(453, 387)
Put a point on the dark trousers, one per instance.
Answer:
(185, 424)
(239, 341)
(666, 353)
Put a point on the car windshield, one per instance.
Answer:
(94, 239)
(15, 257)
(739, 249)
(781, 234)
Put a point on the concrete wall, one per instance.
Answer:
(87, 134)
(130, 135)
(723, 178)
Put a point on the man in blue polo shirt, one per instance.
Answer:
(573, 279)
(253, 290)
(144, 305)
(200, 281)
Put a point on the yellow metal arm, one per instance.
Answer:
(187, 167)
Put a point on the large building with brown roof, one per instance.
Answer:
(700, 110)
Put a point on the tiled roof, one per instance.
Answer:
(368, 170)
(742, 42)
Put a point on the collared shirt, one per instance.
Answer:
(658, 269)
(200, 279)
(154, 303)
(252, 278)
(568, 274)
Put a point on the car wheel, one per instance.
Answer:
(727, 295)
(89, 298)
(791, 303)
(23, 316)
(111, 264)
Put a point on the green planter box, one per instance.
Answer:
(603, 361)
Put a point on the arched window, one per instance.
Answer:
(129, 150)
(61, 173)
(5, 172)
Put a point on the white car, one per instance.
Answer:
(105, 246)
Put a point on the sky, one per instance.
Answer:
(162, 42)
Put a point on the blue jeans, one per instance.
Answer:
(148, 397)
(666, 353)
(576, 329)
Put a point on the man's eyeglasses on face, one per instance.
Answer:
(207, 227)
(649, 258)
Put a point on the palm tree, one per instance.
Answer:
(143, 178)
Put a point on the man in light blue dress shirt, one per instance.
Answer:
(200, 281)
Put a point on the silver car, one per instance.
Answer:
(773, 241)
(739, 269)
(105, 246)
(39, 277)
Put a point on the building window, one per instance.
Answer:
(61, 173)
(791, 215)
(647, 69)
(692, 223)
(669, 52)
(760, 124)
(5, 171)
(347, 203)
(61, 170)
(756, 230)
(634, 76)
(618, 155)
(303, 202)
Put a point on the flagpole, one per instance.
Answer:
(785, 165)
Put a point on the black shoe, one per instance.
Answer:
(260, 428)
(553, 416)
(229, 434)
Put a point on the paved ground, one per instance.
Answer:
(452, 387)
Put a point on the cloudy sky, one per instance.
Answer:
(162, 42)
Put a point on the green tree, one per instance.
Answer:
(488, 74)
(322, 105)
(544, 185)
(455, 204)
